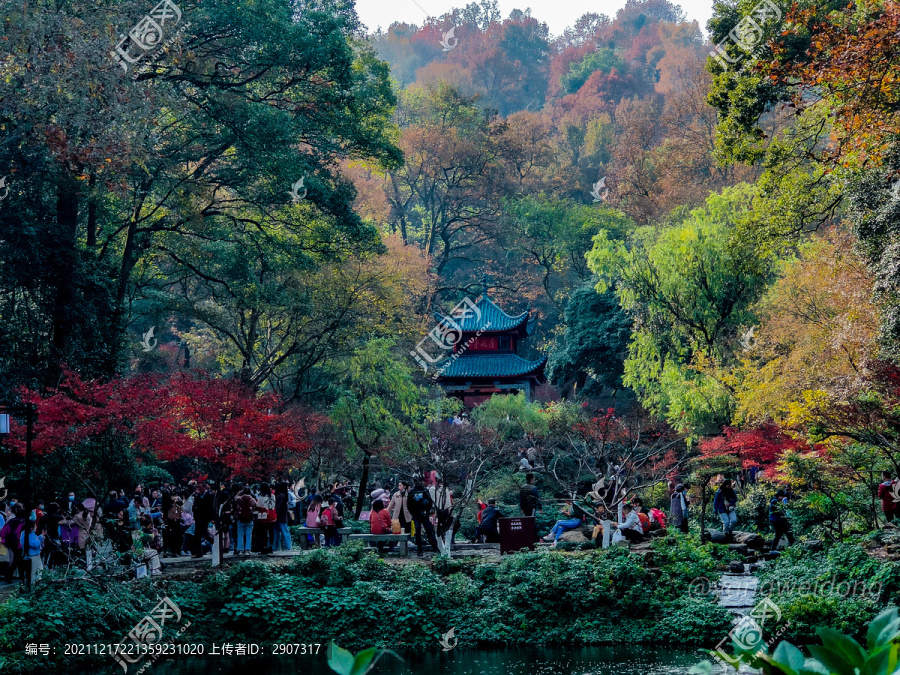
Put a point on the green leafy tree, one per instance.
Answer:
(604, 60)
(554, 235)
(591, 352)
(688, 288)
(512, 417)
(113, 166)
(379, 406)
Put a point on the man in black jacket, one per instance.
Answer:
(204, 511)
(420, 508)
(490, 524)
(529, 498)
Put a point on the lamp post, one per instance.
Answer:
(29, 411)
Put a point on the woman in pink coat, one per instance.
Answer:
(312, 516)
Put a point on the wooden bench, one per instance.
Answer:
(402, 538)
(303, 531)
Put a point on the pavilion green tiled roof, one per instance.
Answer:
(488, 318)
(492, 365)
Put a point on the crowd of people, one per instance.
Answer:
(172, 521)
(639, 522)
(167, 521)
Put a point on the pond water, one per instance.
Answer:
(611, 660)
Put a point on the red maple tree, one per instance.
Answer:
(759, 447)
(219, 422)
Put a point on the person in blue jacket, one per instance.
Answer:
(31, 544)
(725, 506)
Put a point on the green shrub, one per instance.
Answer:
(540, 598)
(693, 620)
(839, 654)
(841, 586)
(753, 507)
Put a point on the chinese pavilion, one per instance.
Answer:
(485, 358)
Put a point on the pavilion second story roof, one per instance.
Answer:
(485, 316)
(493, 365)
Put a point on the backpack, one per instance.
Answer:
(245, 511)
(659, 517)
(68, 534)
(645, 522)
(776, 511)
(420, 504)
(11, 533)
(527, 497)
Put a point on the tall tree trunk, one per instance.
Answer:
(702, 512)
(92, 215)
(363, 482)
(63, 264)
(127, 266)
(128, 252)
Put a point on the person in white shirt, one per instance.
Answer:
(631, 528)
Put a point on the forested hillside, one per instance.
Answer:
(282, 197)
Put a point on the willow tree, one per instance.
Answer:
(690, 289)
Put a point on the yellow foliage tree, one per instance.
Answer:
(819, 328)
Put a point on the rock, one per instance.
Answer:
(813, 545)
(718, 537)
(736, 567)
(658, 533)
(752, 540)
(754, 568)
(752, 559)
(772, 555)
(574, 537)
(739, 548)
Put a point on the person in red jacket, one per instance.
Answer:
(886, 493)
(481, 507)
(380, 523)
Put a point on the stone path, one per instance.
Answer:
(737, 592)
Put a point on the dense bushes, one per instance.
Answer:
(353, 596)
(841, 587)
(541, 598)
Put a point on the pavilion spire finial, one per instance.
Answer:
(484, 284)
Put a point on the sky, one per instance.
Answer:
(557, 14)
